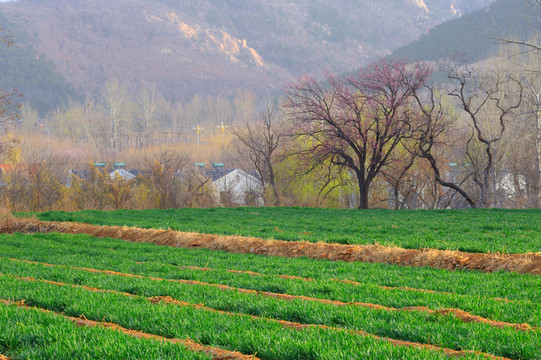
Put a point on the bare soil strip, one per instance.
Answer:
(217, 353)
(299, 326)
(287, 324)
(351, 282)
(460, 314)
(405, 288)
(442, 259)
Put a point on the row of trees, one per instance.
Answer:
(477, 134)
(383, 136)
(118, 120)
(386, 122)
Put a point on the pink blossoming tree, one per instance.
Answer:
(356, 123)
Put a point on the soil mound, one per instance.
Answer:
(529, 263)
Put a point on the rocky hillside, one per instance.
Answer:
(187, 47)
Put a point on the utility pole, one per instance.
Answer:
(198, 130)
(222, 127)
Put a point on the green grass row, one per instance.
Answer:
(163, 261)
(242, 333)
(481, 230)
(31, 334)
(445, 331)
(520, 311)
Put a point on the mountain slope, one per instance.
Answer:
(304, 35)
(472, 36)
(213, 47)
(34, 76)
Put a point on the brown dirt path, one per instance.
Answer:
(217, 353)
(460, 314)
(443, 259)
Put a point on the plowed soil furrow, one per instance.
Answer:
(217, 353)
(351, 282)
(288, 324)
(460, 314)
(299, 326)
(404, 288)
(442, 259)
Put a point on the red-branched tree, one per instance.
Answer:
(356, 123)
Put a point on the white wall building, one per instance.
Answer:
(237, 188)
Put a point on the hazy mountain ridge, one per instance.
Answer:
(305, 35)
(473, 36)
(209, 46)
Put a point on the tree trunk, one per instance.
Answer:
(450, 185)
(113, 133)
(363, 197)
(364, 185)
(396, 194)
(538, 156)
(276, 191)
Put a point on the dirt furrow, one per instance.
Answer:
(288, 324)
(405, 288)
(299, 326)
(351, 282)
(217, 353)
(442, 259)
(460, 314)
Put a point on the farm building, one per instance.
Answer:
(238, 188)
(121, 173)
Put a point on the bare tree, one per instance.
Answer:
(92, 123)
(150, 101)
(527, 129)
(527, 51)
(8, 116)
(532, 8)
(435, 122)
(489, 102)
(397, 174)
(259, 141)
(494, 91)
(163, 176)
(196, 188)
(244, 104)
(8, 110)
(356, 123)
(115, 97)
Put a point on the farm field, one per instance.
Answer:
(480, 231)
(210, 303)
